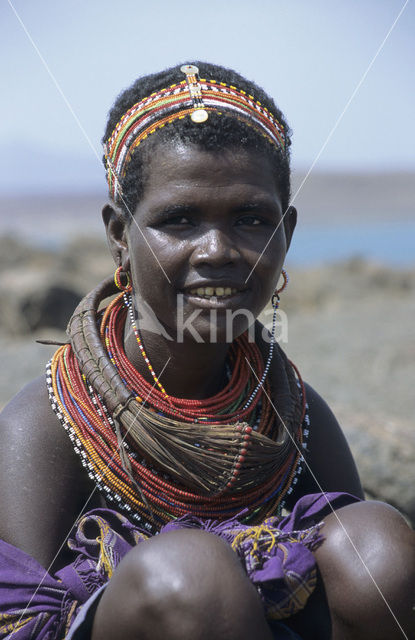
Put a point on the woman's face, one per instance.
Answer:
(214, 223)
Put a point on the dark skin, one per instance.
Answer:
(207, 221)
(207, 218)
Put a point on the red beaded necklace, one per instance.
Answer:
(215, 409)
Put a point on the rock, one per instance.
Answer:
(50, 307)
(330, 286)
(31, 300)
(384, 450)
(40, 288)
(15, 254)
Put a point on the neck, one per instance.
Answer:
(186, 370)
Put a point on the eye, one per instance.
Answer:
(177, 221)
(250, 221)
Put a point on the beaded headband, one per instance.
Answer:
(193, 97)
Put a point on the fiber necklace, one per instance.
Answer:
(160, 458)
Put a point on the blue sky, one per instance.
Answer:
(309, 56)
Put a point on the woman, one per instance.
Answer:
(183, 416)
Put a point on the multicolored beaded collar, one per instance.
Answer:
(191, 97)
(158, 459)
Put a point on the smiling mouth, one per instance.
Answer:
(213, 292)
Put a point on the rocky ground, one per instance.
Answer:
(349, 327)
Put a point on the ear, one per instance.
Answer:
(290, 221)
(116, 228)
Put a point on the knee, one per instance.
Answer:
(367, 563)
(183, 584)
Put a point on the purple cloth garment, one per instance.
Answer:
(277, 554)
(35, 605)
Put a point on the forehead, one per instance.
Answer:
(186, 172)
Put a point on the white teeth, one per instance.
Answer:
(209, 292)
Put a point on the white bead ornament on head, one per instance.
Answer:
(199, 114)
(190, 69)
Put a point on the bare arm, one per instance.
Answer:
(42, 482)
(329, 463)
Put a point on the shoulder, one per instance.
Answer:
(41, 478)
(320, 413)
(30, 429)
(329, 463)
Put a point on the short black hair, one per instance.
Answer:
(218, 133)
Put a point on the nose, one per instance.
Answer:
(214, 248)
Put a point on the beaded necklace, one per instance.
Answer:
(220, 408)
(158, 459)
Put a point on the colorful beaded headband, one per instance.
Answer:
(194, 97)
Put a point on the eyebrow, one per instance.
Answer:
(255, 205)
(175, 209)
(188, 209)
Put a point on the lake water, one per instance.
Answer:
(389, 242)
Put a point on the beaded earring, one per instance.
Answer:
(275, 304)
(276, 295)
(118, 275)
